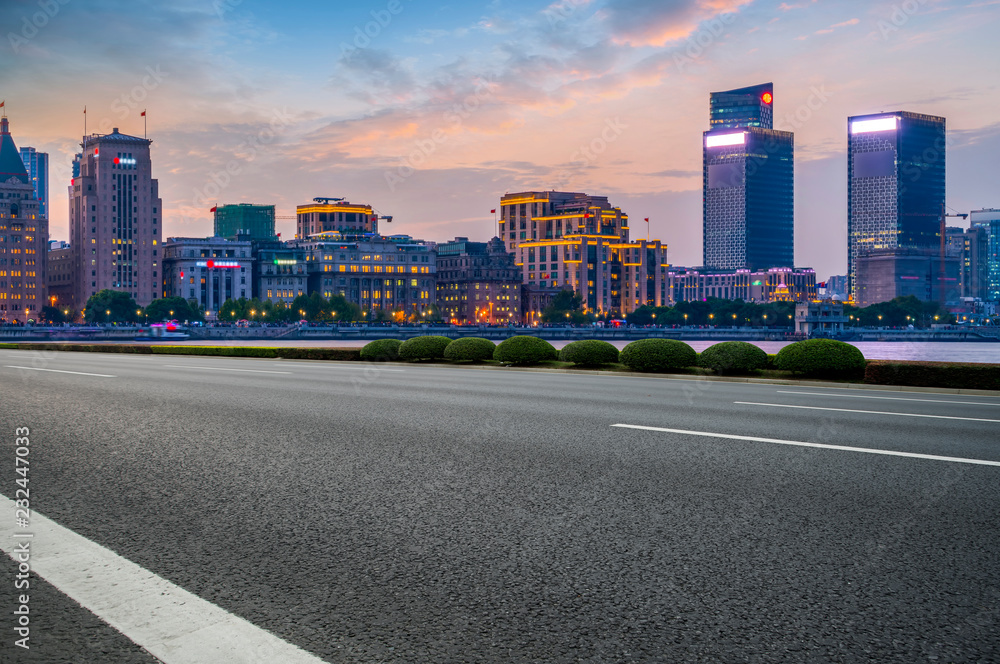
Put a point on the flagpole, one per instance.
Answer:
(85, 128)
(144, 123)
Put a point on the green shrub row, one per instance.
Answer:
(934, 374)
(821, 358)
(470, 349)
(733, 357)
(589, 353)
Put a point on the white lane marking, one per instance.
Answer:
(174, 625)
(869, 412)
(865, 396)
(842, 448)
(78, 373)
(184, 366)
(341, 366)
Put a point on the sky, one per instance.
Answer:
(431, 111)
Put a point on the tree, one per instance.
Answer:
(56, 316)
(566, 307)
(111, 306)
(173, 308)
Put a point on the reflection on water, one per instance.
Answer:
(928, 351)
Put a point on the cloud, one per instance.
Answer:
(826, 31)
(657, 23)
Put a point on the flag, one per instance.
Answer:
(84, 110)
(214, 209)
(2, 103)
(647, 218)
(143, 114)
(491, 211)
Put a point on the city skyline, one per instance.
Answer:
(438, 111)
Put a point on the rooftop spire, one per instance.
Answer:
(10, 159)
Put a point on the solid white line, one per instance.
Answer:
(174, 625)
(78, 373)
(865, 396)
(842, 448)
(184, 366)
(869, 412)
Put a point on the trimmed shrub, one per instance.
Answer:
(524, 349)
(473, 349)
(382, 350)
(733, 357)
(9, 346)
(428, 347)
(822, 358)
(658, 355)
(589, 353)
(341, 354)
(934, 374)
(221, 351)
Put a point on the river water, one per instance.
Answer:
(930, 351)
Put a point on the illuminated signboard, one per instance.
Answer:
(725, 139)
(890, 123)
(767, 98)
(126, 161)
(217, 264)
(280, 261)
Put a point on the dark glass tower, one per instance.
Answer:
(748, 174)
(895, 184)
(745, 107)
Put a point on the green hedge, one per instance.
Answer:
(472, 349)
(826, 358)
(382, 350)
(428, 347)
(658, 355)
(733, 357)
(87, 348)
(934, 374)
(524, 349)
(589, 353)
(342, 354)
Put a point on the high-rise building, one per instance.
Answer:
(255, 221)
(987, 223)
(24, 238)
(579, 242)
(37, 165)
(886, 274)
(895, 180)
(743, 107)
(116, 219)
(748, 184)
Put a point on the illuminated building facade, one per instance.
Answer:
(326, 215)
(772, 285)
(24, 238)
(60, 277)
(743, 107)
(478, 282)
(896, 186)
(886, 274)
(579, 242)
(207, 270)
(247, 219)
(748, 183)
(280, 271)
(987, 225)
(116, 219)
(391, 275)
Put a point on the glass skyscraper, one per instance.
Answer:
(748, 183)
(744, 107)
(895, 184)
(37, 165)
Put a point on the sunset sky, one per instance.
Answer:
(430, 112)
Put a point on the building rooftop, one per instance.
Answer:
(11, 165)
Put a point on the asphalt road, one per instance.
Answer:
(437, 514)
